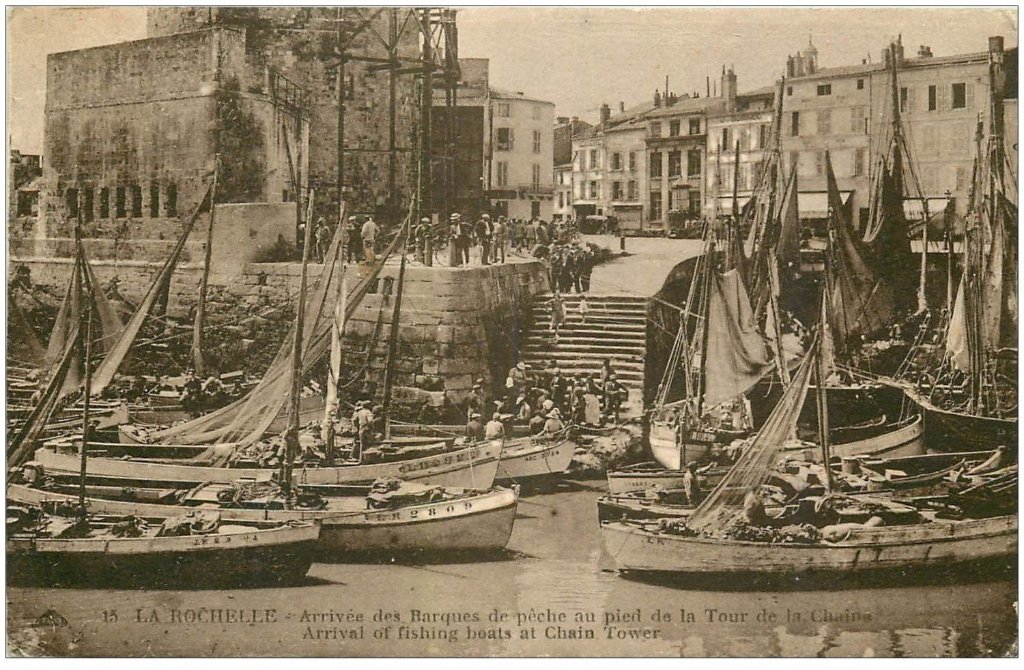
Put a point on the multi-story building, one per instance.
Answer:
(847, 111)
(676, 155)
(588, 171)
(746, 123)
(520, 165)
(566, 128)
(625, 174)
(562, 205)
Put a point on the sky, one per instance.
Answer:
(576, 57)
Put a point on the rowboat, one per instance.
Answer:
(939, 544)
(538, 456)
(471, 466)
(460, 520)
(53, 549)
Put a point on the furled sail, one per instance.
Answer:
(862, 303)
(737, 354)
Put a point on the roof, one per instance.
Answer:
(505, 94)
(687, 106)
(908, 63)
(758, 92)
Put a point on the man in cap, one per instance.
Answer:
(495, 429)
(500, 238)
(484, 233)
(524, 413)
(477, 400)
(474, 429)
(369, 232)
(353, 240)
(554, 423)
(455, 240)
(424, 242)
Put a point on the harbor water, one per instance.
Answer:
(554, 593)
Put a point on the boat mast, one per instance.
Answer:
(709, 269)
(198, 362)
(821, 396)
(291, 439)
(389, 371)
(85, 349)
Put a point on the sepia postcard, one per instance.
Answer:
(511, 331)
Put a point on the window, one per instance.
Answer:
(725, 139)
(632, 160)
(695, 126)
(154, 201)
(819, 163)
(616, 191)
(595, 163)
(583, 161)
(120, 210)
(616, 161)
(824, 121)
(673, 128)
(860, 84)
(172, 200)
(858, 119)
(789, 91)
(858, 162)
(71, 202)
(959, 96)
(794, 125)
(671, 200)
(762, 135)
(136, 201)
(656, 129)
(631, 191)
(593, 190)
(655, 164)
(534, 209)
(961, 178)
(655, 205)
(561, 201)
(693, 163)
(675, 159)
(904, 99)
(104, 203)
(933, 98)
(824, 89)
(87, 203)
(536, 141)
(505, 139)
(536, 177)
(503, 109)
(502, 176)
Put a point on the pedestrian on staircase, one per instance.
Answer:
(613, 396)
(557, 314)
(584, 309)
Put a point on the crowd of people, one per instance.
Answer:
(545, 401)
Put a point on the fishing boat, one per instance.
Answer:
(538, 456)
(408, 519)
(730, 534)
(198, 550)
(650, 475)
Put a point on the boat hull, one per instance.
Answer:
(468, 467)
(528, 458)
(272, 556)
(673, 454)
(616, 507)
(899, 548)
(624, 481)
(481, 522)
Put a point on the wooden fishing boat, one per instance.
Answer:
(674, 451)
(538, 456)
(642, 476)
(457, 520)
(939, 544)
(465, 467)
(903, 438)
(637, 505)
(949, 430)
(52, 549)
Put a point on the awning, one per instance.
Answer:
(913, 208)
(815, 205)
(725, 203)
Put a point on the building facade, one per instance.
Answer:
(847, 111)
(562, 205)
(746, 124)
(521, 165)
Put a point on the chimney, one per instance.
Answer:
(924, 51)
(995, 44)
(709, 86)
(562, 121)
(790, 67)
(606, 113)
(622, 106)
(798, 64)
(657, 98)
(729, 89)
(899, 50)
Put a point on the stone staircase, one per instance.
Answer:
(616, 329)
